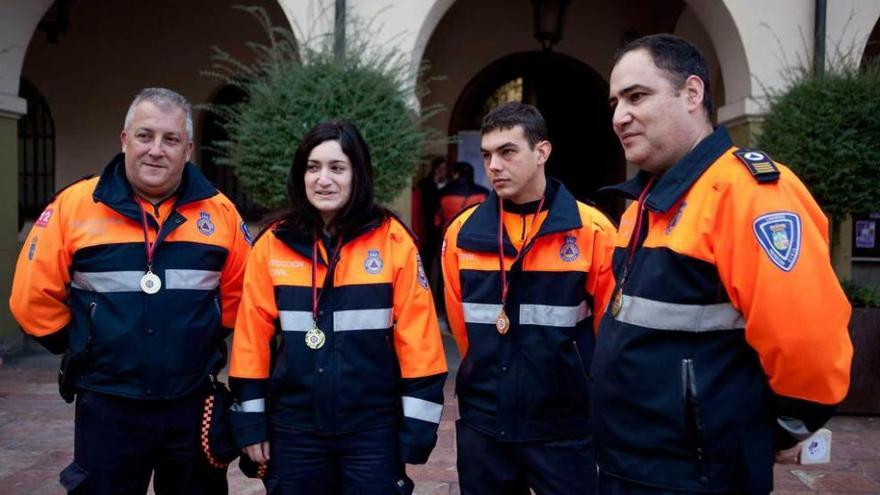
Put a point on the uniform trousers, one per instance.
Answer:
(487, 466)
(120, 442)
(358, 463)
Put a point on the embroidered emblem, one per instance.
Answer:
(44, 218)
(373, 264)
(423, 279)
(569, 251)
(204, 224)
(779, 234)
(247, 233)
(33, 249)
(675, 218)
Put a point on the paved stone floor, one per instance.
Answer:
(36, 442)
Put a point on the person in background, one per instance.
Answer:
(460, 193)
(726, 339)
(337, 362)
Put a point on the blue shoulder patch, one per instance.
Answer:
(247, 233)
(779, 234)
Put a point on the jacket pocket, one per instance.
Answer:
(691, 406)
(577, 353)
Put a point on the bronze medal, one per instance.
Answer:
(617, 304)
(502, 323)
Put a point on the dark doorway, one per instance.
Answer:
(574, 101)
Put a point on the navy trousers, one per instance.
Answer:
(609, 485)
(119, 443)
(360, 463)
(489, 467)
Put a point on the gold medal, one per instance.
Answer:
(151, 283)
(617, 304)
(315, 338)
(502, 323)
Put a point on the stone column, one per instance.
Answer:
(11, 108)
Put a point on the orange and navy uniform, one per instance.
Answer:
(729, 339)
(382, 363)
(531, 383)
(455, 198)
(77, 283)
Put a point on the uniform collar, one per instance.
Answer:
(303, 245)
(680, 177)
(115, 191)
(480, 231)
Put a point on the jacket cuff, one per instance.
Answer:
(56, 342)
(414, 454)
(248, 428)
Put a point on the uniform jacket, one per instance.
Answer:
(531, 383)
(77, 283)
(455, 197)
(731, 329)
(382, 362)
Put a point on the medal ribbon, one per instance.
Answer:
(315, 296)
(149, 248)
(637, 232)
(504, 284)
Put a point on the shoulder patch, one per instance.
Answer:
(779, 235)
(759, 164)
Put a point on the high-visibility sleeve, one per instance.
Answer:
(796, 312)
(452, 286)
(42, 275)
(232, 275)
(600, 280)
(251, 354)
(419, 350)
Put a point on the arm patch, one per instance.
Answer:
(759, 164)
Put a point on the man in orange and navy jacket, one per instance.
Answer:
(726, 337)
(136, 275)
(525, 334)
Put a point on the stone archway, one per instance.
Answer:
(573, 99)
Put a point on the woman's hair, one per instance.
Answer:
(302, 218)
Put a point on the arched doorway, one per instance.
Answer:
(574, 101)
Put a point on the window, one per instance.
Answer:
(36, 155)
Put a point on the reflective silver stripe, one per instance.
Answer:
(253, 406)
(660, 315)
(421, 409)
(361, 319)
(553, 316)
(295, 321)
(122, 281)
(481, 313)
(192, 279)
(795, 427)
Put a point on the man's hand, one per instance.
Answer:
(258, 452)
(789, 456)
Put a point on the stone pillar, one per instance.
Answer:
(11, 339)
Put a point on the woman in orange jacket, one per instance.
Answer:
(337, 362)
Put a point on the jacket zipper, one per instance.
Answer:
(577, 352)
(692, 408)
(93, 306)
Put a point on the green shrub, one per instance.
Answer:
(291, 86)
(861, 296)
(827, 129)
